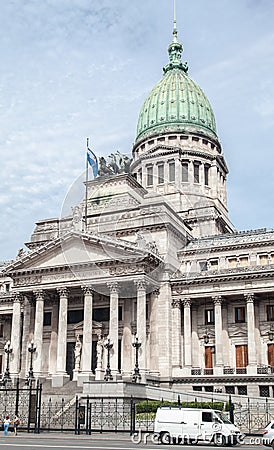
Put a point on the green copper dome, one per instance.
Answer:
(176, 103)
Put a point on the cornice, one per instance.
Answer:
(224, 275)
(235, 379)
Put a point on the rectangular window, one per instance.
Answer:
(241, 356)
(209, 316)
(206, 174)
(197, 388)
(240, 314)
(100, 314)
(264, 391)
(47, 319)
(242, 390)
(243, 260)
(263, 260)
(171, 168)
(207, 417)
(196, 173)
(213, 263)
(232, 263)
(75, 316)
(230, 389)
(270, 313)
(203, 266)
(150, 176)
(160, 173)
(270, 355)
(1, 330)
(185, 172)
(7, 286)
(140, 176)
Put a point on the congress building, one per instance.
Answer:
(149, 258)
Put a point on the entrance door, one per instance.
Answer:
(270, 354)
(209, 360)
(241, 358)
(70, 359)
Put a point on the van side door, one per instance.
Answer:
(207, 425)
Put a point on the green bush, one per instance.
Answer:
(147, 406)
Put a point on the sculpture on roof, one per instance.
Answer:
(115, 164)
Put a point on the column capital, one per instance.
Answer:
(176, 303)
(140, 285)
(156, 292)
(63, 291)
(39, 294)
(187, 302)
(217, 300)
(16, 297)
(249, 297)
(113, 287)
(87, 289)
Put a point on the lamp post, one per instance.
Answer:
(271, 333)
(31, 350)
(136, 374)
(108, 345)
(206, 338)
(8, 351)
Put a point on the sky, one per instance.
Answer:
(72, 69)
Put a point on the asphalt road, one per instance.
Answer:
(102, 442)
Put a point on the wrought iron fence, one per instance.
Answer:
(251, 417)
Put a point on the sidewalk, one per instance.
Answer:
(106, 436)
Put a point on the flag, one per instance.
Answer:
(93, 161)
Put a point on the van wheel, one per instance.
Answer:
(219, 440)
(165, 438)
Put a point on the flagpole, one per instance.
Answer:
(86, 198)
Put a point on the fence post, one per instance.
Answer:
(76, 416)
(248, 415)
(132, 416)
(17, 397)
(231, 410)
(266, 410)
(30, 393)
(87, 416)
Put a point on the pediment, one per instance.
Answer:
(77, 248)
(95, 326)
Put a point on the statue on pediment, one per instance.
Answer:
(77, 218)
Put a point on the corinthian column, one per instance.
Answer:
(61, 376)
(86, 358)
(141, 324)
(38, 332)
(218, 334)
(187, 332)
(15, 335)
(176, 335)
(252, 360)
(113, 326)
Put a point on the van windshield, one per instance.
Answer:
(222, 416)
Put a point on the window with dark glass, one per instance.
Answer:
(149, 176)
(1, 330)
(171, 168)
(240, 314)
(242, 390)
(206, 174)
(75, 316)
(209, 316)
(196, 173)
(185, 172)
(47, 319)
(203, 266)
(207, 417)
(270, 313)
(160, 173)
(7, 285)
(100, 314)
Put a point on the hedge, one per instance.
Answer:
(148, 406)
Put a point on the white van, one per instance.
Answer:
(190, 425)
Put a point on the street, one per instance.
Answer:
(96, 441)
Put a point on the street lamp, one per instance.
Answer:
(271, 333)
(108, 345)
(32, 350)
(136, 374)
(206, 338)
(8, 351)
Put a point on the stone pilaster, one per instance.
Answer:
(61, 376)
(38, 332)
(218, 370)
(187, 332)
(252, 360)
(141, 325)
(53, 339)
(15, 335)
(113, 326)
(176, 333)
(86, 372)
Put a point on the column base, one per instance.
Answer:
(218, 370)
(83, 377)
(99, 374)
(251, 369)
(58, 380)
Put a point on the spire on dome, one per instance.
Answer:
(175, 49)
(175, 34)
